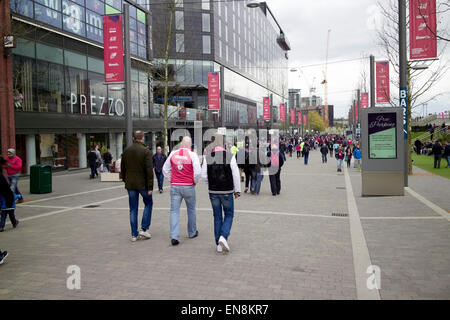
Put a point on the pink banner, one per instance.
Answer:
(364, 100)
(266, 108)
(422, 29)
(113, 48)
(292, 116)
(382, 76)
(213, 91)
(305, 120)
(299, 117)
(356, 110)
(282, 112)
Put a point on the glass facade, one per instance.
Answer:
(84, 18)
(58, 80)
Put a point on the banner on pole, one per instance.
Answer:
(305, 120)
(266, 108)
(282, 112)
(299, 116)
(213, 91)
(113, 49)
(382, 76)
(422, 29)
(292, 116)
(364, 100)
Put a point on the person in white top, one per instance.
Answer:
(182, 169)
(221, 173)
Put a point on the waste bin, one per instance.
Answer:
(40, 178)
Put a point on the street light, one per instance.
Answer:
(253, 4)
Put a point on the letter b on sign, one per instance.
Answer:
(74, 280)
(374, 280)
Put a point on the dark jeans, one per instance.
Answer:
(13, 183)
(106, 165)
(93, 170)
(160, 179)
(133, 200)
(12, 217)
(248, 177)
(324, 157)
(298, 154)
(348, 162)
(306, 158)
(437, 160)
(275, 183)
(222, 223)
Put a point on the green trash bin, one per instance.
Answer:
(40, 178)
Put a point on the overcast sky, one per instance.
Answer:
(353, 26)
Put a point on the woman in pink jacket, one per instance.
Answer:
(14, 168)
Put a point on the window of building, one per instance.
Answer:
(179, 42)
(179, 20)
(206, 22)
(179, 3)
(206, 45)
(205, 5)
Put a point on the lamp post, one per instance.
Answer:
(127, 64)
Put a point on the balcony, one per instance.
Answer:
(283, 42)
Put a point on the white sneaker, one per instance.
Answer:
(219, 248)
(223, 242)
(133, 239)
(145, 234)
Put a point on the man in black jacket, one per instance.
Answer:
(158, 162)
(324, 152)
(92, 161)
(437, 152)
(221, 173)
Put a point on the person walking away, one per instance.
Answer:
(99, 159)
(13, 167)
(340, 157)
(306, 152)
(330, 147)
(357, 157)
(158, 162)
(136, 170)
(182, 169)
(348, 156)
(107, 159)
(257, 174)
(447, 153)
(437, 152)
(92, 161)
(276, 162)
(298, 149)
(324, 152)
(290, 149)
(7, 200)
(221, 173)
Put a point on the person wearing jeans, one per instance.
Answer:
(257, 178)
(182, 169)
(158, 162)
(340, 157)
(133, 200)
(136, 170)
(7, 201)
(13, 168)
(221, 173)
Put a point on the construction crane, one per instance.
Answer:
(325, 83)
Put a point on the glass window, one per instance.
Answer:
(76, 60)
(189, 70)
(50, 85)
(143, 95)
(111, 10)
(206, 45)
(115, 3)
(24, 47)
(133, 12)
(96, 65)
(98, 95)
(96, 6)
(48, 16)
(141, 16)
(135, 98)
(48, 53)
(133, 24)
(179, 3)
(23, 82)
(76, 90)
(206, 22)
(179, 42)
(23, 7)
(179, 20)
(205, 5)
(198, 71)
(94, 26)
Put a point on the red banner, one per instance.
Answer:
(213, 91)
(305, 120)
(353, 112)
(382, 75)
(113, 48)
(299, 117)
(282, 112)
(356, 110)
(422, 29)
(266, 108)
(292, 116)
(364, 100)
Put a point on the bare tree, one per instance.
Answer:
(419, 81)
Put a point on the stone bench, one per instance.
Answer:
(110, 177)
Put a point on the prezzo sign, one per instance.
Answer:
(101, 106)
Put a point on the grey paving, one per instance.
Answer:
(284, 247)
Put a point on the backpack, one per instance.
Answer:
(275, 159)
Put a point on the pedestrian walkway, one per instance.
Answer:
(298, 245)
